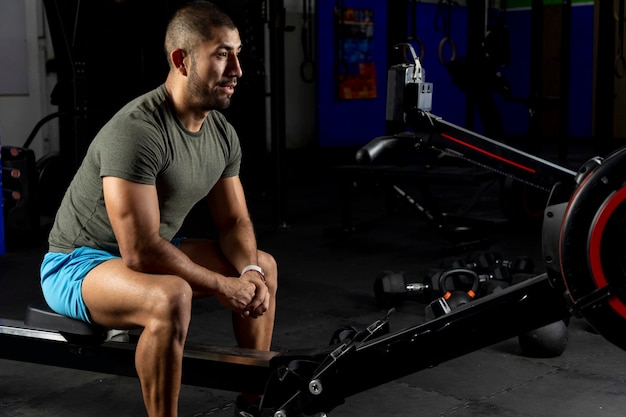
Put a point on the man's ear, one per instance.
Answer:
(178, 59)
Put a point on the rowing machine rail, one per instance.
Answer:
(430, 131)
(320, 378)
(357, 366)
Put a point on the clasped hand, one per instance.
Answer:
(247, 295)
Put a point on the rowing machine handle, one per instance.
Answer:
(374, 148)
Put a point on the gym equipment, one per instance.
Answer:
(431, 132)
(19, 195)
(303, 381)
(445, 289)
(488, 269)
(409, 186)
(446, 23)
(493, 266)
(412, 29)
(488, 261)
(391, 289)
(32, 187)
(348, 334)
(583, 251)
(458, 287)
(546, 341)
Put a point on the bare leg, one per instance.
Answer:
(120, 298)
(252, 333)
(257, 333)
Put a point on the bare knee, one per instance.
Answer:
(270, 267)
(170, 308)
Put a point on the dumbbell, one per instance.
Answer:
(483, 261)
(493, 264)
(392, 290)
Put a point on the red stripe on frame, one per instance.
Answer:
(508, 161)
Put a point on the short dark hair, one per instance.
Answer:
(193, 23)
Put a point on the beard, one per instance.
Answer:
(207, 99)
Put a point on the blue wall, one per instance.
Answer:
(349, 122)
(356, 122)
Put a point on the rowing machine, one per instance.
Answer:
(301, 382)
(584, 220)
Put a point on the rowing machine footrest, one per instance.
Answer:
(41, 316)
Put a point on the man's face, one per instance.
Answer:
(215, 70)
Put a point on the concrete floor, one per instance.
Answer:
(326, 283)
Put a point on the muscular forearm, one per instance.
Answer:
(238, 244)
(162, 257)
(159, 256)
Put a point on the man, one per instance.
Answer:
(113, 257)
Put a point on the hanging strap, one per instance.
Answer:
(412, 29)
(307, 67)
(446, 25)
(341, 66)
(620, 61)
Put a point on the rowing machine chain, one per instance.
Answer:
(482, 165)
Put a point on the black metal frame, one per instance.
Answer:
(208, 366)
(317, 379)
(429, 130)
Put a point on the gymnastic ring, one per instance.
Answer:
(620, 66)
(442, 43)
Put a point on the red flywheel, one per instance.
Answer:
(592, 248)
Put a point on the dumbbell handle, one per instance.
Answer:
(485, 277)
(417, 287)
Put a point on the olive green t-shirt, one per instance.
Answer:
(145, 142)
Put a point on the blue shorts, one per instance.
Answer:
(62, 277)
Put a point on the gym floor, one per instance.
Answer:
(338, 230)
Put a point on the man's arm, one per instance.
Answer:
(133, 210)
(230, 214)
(237, 241)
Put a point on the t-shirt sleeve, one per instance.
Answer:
(233, 162)
(129, 148)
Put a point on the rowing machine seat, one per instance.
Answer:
(41, 316)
